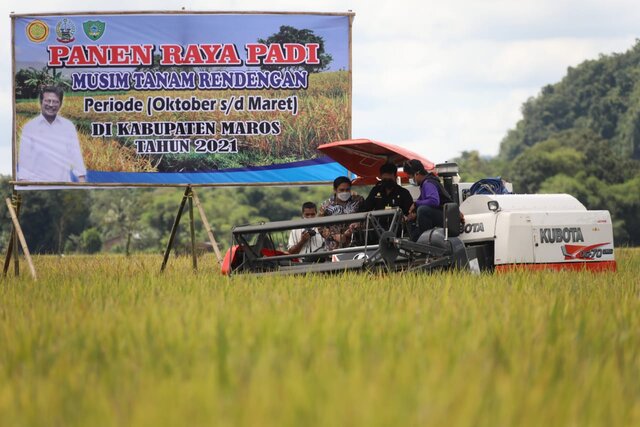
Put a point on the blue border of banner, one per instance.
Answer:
(320, 169)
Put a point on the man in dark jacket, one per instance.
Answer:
(427, 209)
(387, 194)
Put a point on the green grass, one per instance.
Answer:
(105, 340)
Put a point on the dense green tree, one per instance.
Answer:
(473, 166)
(544, 160)
(601, 95)
(288, 34)
(90, 241)
(117, 215)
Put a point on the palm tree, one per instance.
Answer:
(29, 81)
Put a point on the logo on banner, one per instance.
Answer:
(585, 252)
(37, 31)
(93, 29)
(66, 30)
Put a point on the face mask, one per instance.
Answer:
(412, 181)
(344, 196)
(387, 184)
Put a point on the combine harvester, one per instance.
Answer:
(500, 232)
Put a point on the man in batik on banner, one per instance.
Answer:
(49, 146)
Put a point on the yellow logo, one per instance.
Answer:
(37, 31)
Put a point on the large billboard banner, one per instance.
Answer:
(179, 98)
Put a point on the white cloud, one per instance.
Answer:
(479, 124)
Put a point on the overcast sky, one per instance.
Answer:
(437, 77)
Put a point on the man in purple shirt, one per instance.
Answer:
(427, 209)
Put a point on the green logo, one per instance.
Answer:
(94, 29)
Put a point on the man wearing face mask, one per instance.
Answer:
(342, 202)
(387, 194)
(427, 209)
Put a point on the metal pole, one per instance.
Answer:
(174, 228)
(192, 229)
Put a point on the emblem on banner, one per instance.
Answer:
(93, 29)
(37, 31)
(65, 30)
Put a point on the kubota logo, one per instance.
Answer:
(559, 235)
(585, 252)
(475, 227)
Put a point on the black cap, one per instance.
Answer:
(388, 168)
(414, 166)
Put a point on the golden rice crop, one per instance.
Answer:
(107, 340)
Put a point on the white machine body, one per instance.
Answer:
(540, 231)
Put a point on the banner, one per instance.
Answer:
(179, 98)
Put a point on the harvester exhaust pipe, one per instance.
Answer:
(450, 178)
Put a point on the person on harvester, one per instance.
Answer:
(426, 212)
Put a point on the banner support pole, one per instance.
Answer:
(13, 239)
(192, 231)
(207, 227)
(7, 259)
(16, 260)
(174, 228)
(13, 207)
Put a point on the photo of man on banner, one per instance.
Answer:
(49, 145)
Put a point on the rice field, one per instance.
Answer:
(105, 340)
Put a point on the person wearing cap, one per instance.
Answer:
(426, 211)
(387, 194)
(342, 202)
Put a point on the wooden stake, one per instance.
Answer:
(23, 242)
(207, 227)
(174, 228)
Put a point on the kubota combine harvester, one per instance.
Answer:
(500, 232)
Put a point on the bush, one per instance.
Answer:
(90, 241)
